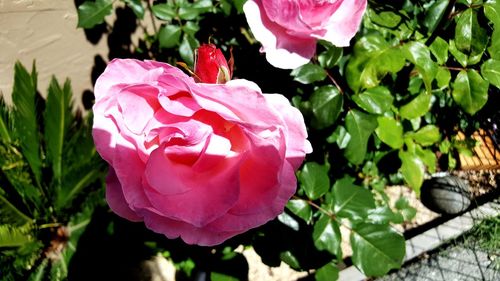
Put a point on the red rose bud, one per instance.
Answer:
(210, 65)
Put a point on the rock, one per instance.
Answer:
(446, 194)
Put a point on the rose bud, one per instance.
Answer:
(210, 65)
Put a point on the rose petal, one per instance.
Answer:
(138, 104)
(116, 200)
(344, 23)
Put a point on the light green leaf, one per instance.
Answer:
(360, 126)
(461, 58)
(428, 135)
(428, 157)
(492, 12)
(420, 56)
(57, 117)
(376, 249)
(329, 272)
(390, 131)
(300, 208)
(169, 36)
(439, 48)
(383, 215)
(340, 136)
(326, 103)
(490, 70)
(412, 169)
(470, 91)
(374, 100)
(308, 73)
(443, 77)
(93, 13)
(350, 200)
(416, 107)
(314, 180)
(15, 236)
(25, 114)
(216, 276)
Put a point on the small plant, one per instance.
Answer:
(50, 179)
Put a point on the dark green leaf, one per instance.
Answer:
(216, 276)
(26, 121)
(416, 107)
(188, 13)
(169, 36)
(326, 235)
(412, 169)
(435, 14)
(93, 13)
(350, 200)
(329, 272)
(340, 136)
(314, 180)
(427, 135)
(326, 103)
(461, 58)
(191, 28)
(470, 91)
(420, 56)
(57, 117)
(376, 248)
(390, 131)
(374, 100)
(164, 11)
(470, 37)
(136, 7)
(238, 4)
(330, 57)
(39, 273)
(187, 47)
(300, 208)
(70, 192)
(308, 73)
(360, 126)
(9, 214)
(290, 259)
(5, 122)
(490, 70)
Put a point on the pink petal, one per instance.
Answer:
(344, 23)
(116, 200)
(138, 104)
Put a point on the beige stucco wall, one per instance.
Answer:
(45, 31)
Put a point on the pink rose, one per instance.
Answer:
(210, 65)
(203, 162)
(288, 29)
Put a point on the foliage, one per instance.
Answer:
(48, 167)
(386, 110)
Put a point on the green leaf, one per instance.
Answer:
(57, 117)
(187, 47)
(374, 100)
(330, 57)
(326, 235)
(412, 169)
(15, 236)
(376, 248)
(470, 91)
(439, 48)
(328, 272)
(428, 157)
(326, 103)
(39, 273)
(5, 122)
(9, 214)
(136, 7)
(420, 56)
(290, 259)
(308, 73)
(416, 107)
(461, 58)
(300, 208)
(390, 131)
(216, 276)
(191, 28)
(93, 13)
(360, 126)
(434, 15)
(403, 205)
(164, 11)
(492, 12)
(68, 193)
(383, 215)
(314, 180)
(188, 13)
(443, 77)
(169, 36)
(494, 49)
(428, 135)
(490, 70)
(350, 200)
(340, 136)
(25, 114)
(470, 37)
(385, 18)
